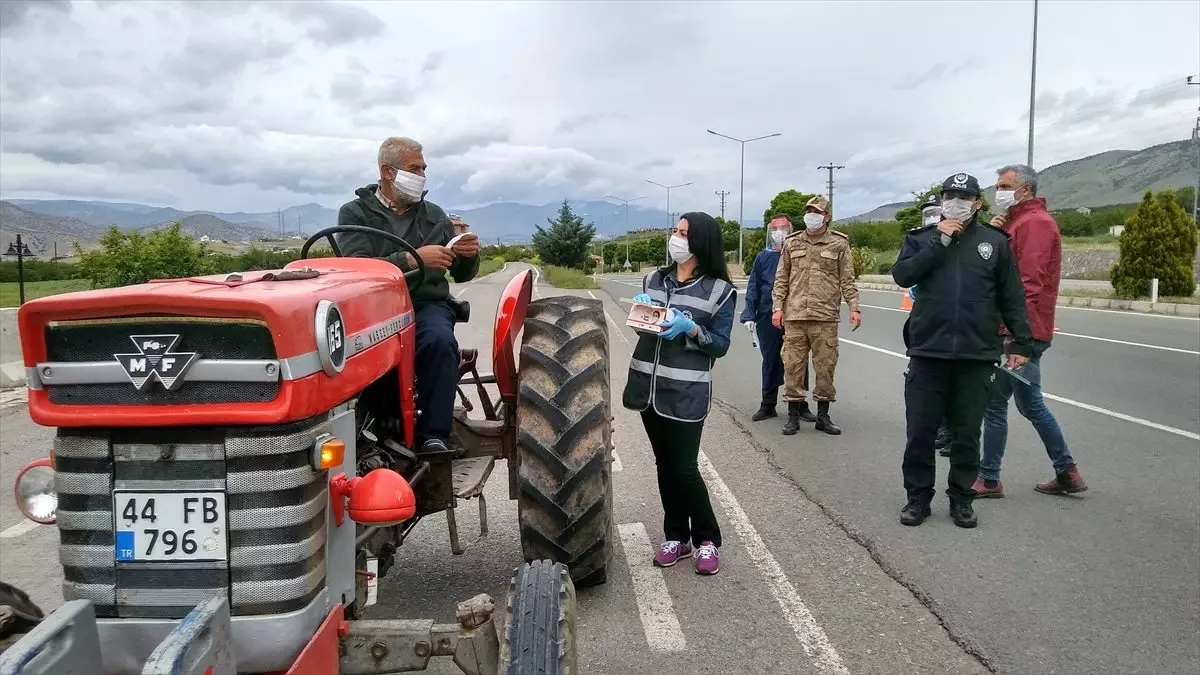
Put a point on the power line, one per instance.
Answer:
(831, 167)
(722, 194)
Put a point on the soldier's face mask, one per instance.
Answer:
(814, 221)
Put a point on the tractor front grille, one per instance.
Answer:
(99, 340)
(275, 505)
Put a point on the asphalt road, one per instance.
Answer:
(817, 574)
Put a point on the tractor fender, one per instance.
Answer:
(510, 318)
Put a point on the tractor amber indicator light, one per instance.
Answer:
(328, 452)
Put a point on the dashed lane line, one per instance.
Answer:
(812, 637)
(655, 608)
(616, 462)
(19, 529)
(1062, 399)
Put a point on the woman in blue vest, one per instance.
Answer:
(670, 382)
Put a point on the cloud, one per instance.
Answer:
(254, 106)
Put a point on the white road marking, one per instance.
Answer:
(459, 292)
(1062, 399)
(663, 633)
(592, 295)
(889, 309)
(812, 637)
(616, 461)
(1131, 344)
(19, 529)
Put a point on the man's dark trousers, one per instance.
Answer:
(958, 390)
(770, 344)
(436, 367)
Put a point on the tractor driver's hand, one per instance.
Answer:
(435, 257)
(467, 246)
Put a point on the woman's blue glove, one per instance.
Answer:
(676, 324)
(642, 299)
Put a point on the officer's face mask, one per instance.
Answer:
(958, 209)
(678, 248)
(814, 221)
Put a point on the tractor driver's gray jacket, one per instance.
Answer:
(675, 376)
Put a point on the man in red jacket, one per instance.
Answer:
(1037, 246)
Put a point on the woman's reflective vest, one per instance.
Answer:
(675, 376)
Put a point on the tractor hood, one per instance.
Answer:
(252, 348)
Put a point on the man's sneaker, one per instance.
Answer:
(963, 514)
(708, 560)
(914, 513)
(764, 411)
(1068, 482)
(982, 491)
(671, 552)
(806, 414)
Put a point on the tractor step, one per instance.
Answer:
(68, 641)
(469, 477)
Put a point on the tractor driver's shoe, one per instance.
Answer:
(764, 411)
(708, 560)
(671, 552)
(914, 513)
(434, 445)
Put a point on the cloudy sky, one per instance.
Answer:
(255, 106)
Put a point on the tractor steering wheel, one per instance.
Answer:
(414, 277)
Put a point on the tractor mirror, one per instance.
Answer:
(381, 498)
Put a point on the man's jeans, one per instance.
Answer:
(1032, 407)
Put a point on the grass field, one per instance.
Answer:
(10, 295)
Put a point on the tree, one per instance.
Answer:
(789, 202)
(756, 241)
(729, 233)
(566, 241)
(133, 258)
(1159, 241)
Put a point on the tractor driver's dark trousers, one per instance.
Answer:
(436, 366)
(959, 390)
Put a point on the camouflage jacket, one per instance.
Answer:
(815, 274)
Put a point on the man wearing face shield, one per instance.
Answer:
(397, 204)
(815, 275)
(757, 318)
(968, 282)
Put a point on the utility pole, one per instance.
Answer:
(1032, 86)
(279, 221)
(722, 194)
(1196, 142)
(299, 231)
(831, 167)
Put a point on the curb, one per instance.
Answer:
(12, 375)
(1133, 306)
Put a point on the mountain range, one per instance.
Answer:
(1113, 177)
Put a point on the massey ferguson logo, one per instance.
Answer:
(155, 360)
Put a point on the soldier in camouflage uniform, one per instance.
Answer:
(816, 273)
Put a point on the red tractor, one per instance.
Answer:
(235, 466)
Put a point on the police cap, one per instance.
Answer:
(963, 183)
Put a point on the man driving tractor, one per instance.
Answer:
(397, 204)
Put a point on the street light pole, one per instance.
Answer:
(668, 188)
(1196, 142)
(626, 202)
(742, 190)
(1032, 86)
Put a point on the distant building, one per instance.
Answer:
(1083, 210)
(1116, 230)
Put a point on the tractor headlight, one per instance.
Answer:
(35, 492)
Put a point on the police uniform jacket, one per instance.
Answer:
(674, 377)
(964, 291)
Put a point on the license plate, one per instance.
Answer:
(170, 526)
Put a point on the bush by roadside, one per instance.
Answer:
(566, 277)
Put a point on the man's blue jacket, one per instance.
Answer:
(760, 285)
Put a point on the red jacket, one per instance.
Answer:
(1037, 245)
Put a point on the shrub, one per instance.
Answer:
(864, 260)
(37, 270)
(567, 277)
(1159, 241)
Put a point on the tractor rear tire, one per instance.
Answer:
(564, 437)
(539, 634)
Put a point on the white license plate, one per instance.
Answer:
(170, 526)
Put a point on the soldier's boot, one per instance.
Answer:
(793, 419)
(805, 413)
(765, 410)
(823, 421)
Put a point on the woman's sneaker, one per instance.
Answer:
(708, 560)
(671, 552)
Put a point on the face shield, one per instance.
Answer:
(931, 215)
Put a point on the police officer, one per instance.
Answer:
(757, 319)
(816, 273)
(968, 281)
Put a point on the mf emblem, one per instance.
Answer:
(331, 338)
(985, 251)
(154, 360)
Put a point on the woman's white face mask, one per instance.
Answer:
(678, 248)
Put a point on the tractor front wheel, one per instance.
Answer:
(564, 437)
(539, 634)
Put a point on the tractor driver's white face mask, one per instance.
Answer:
(409, 186)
